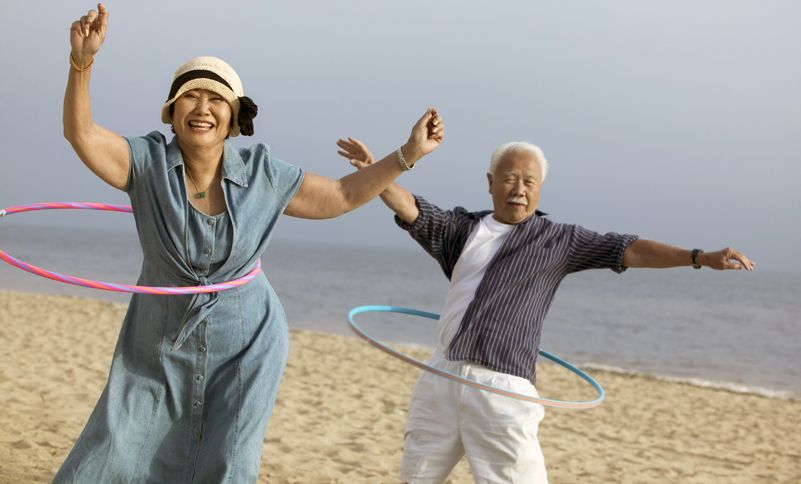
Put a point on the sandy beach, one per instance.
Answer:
(342, 405)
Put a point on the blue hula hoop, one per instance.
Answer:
(452, 376)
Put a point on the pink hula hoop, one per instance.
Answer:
(109, 286)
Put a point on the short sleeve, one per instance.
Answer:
(142, 150)
(285, 179)
(592, 250)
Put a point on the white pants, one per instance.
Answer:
(448, 420)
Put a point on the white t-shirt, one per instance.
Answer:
(482, 245)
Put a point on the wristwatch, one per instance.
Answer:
(694, 256)
(402, 161)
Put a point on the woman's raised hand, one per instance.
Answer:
(427, 134)
(87, 35)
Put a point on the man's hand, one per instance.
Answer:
(657, 255)
(356, 152)
(397, 198)
(724, 259)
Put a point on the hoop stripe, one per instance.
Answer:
(110, 286)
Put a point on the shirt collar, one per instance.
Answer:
(233, 166)
(535, 216)
(533, 219)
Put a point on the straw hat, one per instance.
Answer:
(215, 75)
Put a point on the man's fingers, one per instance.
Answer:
(743, 263)
(741, 260)
(746, 263)
(358, 163)
(351, 153)
(730, 259)
(356, 148)
(362, 148)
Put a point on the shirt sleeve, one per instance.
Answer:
(592, 250)
(141, 150)
(285, 179)
(433, 230)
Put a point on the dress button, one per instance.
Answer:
(197, 404)
(211, 221)
(207, 251)
(202, 349)
(199, 378)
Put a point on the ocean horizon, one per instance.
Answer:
(733, 330)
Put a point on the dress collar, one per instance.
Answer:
(233, 166)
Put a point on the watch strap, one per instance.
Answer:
(694, 257)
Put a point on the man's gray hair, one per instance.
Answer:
(518, 147)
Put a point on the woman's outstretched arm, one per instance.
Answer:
(398, 199)
(321, 197)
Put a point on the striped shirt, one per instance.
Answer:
(502, 325)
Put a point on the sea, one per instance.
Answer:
(735, 330)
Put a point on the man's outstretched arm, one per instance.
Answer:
(649, 253)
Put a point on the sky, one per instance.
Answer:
(678, 121)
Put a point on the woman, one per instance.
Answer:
(193, 379)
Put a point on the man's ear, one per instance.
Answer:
(489, 182)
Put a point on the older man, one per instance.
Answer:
(504, 266)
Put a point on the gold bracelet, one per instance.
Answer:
(80, 69)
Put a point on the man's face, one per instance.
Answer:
(515, 187)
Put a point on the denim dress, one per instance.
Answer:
(193, 378)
